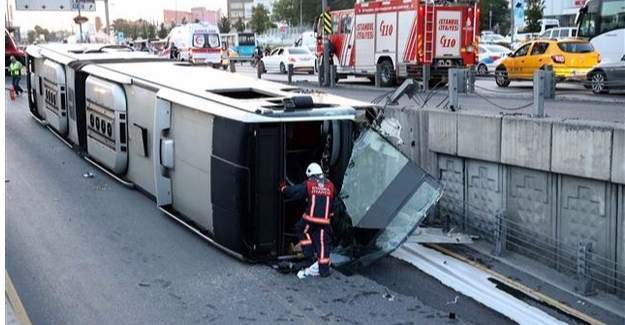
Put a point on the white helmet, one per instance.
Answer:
(313, 169)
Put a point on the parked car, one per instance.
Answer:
(280, 58)
(559, 33)
(606, 76)
(570, 60)
(489, 54)
(11, 49)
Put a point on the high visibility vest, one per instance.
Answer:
(15, 68)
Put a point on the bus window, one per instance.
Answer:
(612, 15)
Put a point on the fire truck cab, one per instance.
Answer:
(401, 36)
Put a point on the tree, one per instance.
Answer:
(533, 13)
(239, 25)
(162, 31)
(224, 25)
(500, 15)
(288, 10)
(260, 21)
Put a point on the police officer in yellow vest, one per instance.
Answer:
(15, 68)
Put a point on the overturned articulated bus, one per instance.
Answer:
(210, 147)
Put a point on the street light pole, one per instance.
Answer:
(106, 16)
(300, 14)
(79, 23)
(490, 16)
(512, 22)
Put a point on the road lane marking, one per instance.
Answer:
(14, 300)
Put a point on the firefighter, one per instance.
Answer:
(314, 227)
(15, 69)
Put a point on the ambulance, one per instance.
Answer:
(194, 43)
(401, 36)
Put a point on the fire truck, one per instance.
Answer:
(401, 36)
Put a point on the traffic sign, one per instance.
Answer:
(55, 5)
(327, 22)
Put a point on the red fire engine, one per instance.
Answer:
(402, 36)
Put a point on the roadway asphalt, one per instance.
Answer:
(90, 251)
(572, 100)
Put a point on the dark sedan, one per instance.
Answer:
(607, 76)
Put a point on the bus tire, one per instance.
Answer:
(282, 68)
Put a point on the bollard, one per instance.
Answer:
(378, 75)
(426, 77)
(539, 93)
(550, 83)
(320, 75)
(259, 69)
(500, 234)
(471, 79)
(333, 75)
(232, 66)
(289, 73)
(453, 89)
(584, 277)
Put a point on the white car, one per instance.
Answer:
(300, 57)
(488, 55)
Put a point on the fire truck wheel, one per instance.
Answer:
(501, 77)
(387, 76)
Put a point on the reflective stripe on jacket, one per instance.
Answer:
(15, 68)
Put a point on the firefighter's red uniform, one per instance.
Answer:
(314, 227)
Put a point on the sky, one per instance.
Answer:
(129, 9)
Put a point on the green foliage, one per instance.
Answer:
(37, 32)
(287, 11)
(260, 21)
(224, 25)
(533, 13)
(501, 15)
(139, 29)
(162, 31)
(239, 25)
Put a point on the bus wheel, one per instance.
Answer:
(387, 74)
(282, 68)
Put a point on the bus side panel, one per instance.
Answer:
(141, 103)
(54, 95)
(192, 133)
(230, 177)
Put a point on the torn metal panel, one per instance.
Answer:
(473, 283)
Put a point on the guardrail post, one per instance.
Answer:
(378, 75)
(290, 73)
(501, 234)
(426, 77)
(259, 69)
(471, 79)
(584, 277)
(550, 83)
(453, 89)
(332, 76)
(233, 67)
(539, 93)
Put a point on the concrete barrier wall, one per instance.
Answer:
(563, 181)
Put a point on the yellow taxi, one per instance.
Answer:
(571, 59)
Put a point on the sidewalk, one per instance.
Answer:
(9, 318)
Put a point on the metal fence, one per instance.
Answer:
(590, 270)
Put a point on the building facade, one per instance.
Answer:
(200, 14)
(563, 10)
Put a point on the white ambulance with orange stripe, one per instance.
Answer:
(402, 36)
(194, 43)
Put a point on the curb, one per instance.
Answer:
(14, 300)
